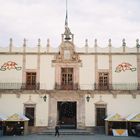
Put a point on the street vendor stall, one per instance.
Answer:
(134, 124)
(116, 125)
(16, 125)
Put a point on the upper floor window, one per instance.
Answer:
(67, 78)
(31, 80)
(103, 80)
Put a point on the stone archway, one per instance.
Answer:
(70, 97)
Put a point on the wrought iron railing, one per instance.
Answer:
(96, 86)
(21, 86)
(66, 87)
(117, 86)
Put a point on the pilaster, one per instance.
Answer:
(10, 45)
(110, 65)
(138, 67)
(24, 62)
(38, 62)
(96, 65)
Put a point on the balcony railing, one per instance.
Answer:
(37, 86)
(66, 87)
(21, 86)
(118, 86)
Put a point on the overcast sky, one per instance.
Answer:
(101, 19)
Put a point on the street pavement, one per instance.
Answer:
(67, 137)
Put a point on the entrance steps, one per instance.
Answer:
(68, 132)
(99, 130)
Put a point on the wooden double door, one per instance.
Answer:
(66, 114)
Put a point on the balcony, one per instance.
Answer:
(118, 86)
(19, 86)
(66, 87)
(43, 86)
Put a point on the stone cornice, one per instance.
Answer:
(53, 53)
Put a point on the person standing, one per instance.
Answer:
(57, 130)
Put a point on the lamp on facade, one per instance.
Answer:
(44, 98)
(88, 98)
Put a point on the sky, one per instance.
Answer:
(87, 19)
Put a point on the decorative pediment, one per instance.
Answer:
(67, 53)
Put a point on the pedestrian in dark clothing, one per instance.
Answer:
(56, 130)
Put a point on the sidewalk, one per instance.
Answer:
(67, 137)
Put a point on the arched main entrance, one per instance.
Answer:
(66, 114)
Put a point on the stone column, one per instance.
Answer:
(96, 66)
(138, 67)
(24, 64)
(10, 45)
(38, 66)
(110, 65)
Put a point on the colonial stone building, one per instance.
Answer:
(74, 87)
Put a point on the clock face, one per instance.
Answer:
(66, 54)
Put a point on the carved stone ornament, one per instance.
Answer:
(67, 53)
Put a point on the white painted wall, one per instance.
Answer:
(17, 49)
(86, 72)
(33, 49)
(31, 62)
(104, 50)
(118, 49)
(10, 104)
(124, 76)
(47, 72)
(4, 49)
(103, 62)
(134, 49)
(11, 76)
(123, 104)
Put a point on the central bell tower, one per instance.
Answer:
(67, 65)
(67, 61)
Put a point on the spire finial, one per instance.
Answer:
(137, 43)
(95, 42)
(48, 45)
(11, 44)
(109, 43)
(24, 42)
(86, 45)
(66, 20)
(123, 42)
(86, 42)
(11, 41)
(39, 40)
(67, 34)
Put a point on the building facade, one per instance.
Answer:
(74, 87)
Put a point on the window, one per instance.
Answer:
(31, 80)
(103, 80)
(67, 78)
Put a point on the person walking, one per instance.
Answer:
(57, 130)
